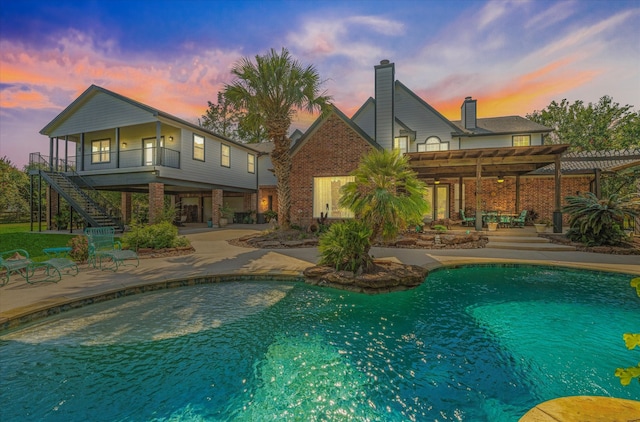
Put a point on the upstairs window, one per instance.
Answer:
(198, 147)
(401, 144)
(522, 140)
(100, 151)
(433, 143)
(251, 163)
(225, 155)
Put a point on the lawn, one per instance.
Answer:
(18, 236)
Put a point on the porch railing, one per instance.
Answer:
(129, 158)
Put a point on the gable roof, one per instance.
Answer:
(454, 128)
(501, 126)
(94, 90)
(320, 121)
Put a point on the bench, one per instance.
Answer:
(14, 261)
(105, 252)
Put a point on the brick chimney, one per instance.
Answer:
(385, 113)
(469, 113)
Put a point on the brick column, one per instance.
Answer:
(125, 206)
(216, 203)
(156, 201)
(53, 205)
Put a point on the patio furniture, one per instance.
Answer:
(104, 249)
(53, 267)
(14, 261)
(467, 221)
(504, 220)
(519, 220)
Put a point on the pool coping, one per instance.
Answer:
(16, 317)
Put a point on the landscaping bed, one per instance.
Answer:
(631, 248)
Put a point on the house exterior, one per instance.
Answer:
(106, 141)
(399, 119)
(114, 143)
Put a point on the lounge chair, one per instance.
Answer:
(105, 252)
(519, 220)
(14, 261)
(467, 221)
(53, 267)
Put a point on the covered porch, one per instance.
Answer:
(483, 164)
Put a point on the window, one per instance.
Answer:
(522, 140)
(198, 147)
(433, 143)
(225, 159)
(326, 194)
(400, 144)
(100, 151)
(251, 163)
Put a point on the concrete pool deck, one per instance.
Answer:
(215, 256)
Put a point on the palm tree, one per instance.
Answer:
(271, 91)
(385, 194)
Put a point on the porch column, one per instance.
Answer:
(125, 206)
(517, 193)
(461, 196)
(156, 158)
(596, 184)
(557, 213)
(156, 201)
(478, 195)
(216, 203)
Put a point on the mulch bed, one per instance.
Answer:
(632, 248)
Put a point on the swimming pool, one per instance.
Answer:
(471, 344)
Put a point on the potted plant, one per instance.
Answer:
(541, 225)
(270, 215)
(225, 213)
(492, 222)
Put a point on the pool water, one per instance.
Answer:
(470, 344)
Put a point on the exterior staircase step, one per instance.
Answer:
(518, 239)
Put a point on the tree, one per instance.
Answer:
(222, 118)
(270, 91)
(14, 188)
(595, 127)
(386, 195)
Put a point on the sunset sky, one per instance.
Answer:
(514, 57)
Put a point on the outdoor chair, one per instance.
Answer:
(519, 220)
(53, 267)
(105, 252)
(14, 261)
(467, 221)
(504, 220)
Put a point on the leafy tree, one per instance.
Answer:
(596, 221)
(14, 188)
(605, 125)
(270, 91)
(386, 195)
(222, 118)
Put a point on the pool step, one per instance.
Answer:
(526, 244)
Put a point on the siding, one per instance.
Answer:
(497, 141)
(424, 121)
(366, 120)
(102, 111)
(384, 105)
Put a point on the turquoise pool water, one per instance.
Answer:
(470, 344)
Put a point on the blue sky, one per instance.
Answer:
(514, 57)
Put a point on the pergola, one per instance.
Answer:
(487, 162)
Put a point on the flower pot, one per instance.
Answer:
(492, 227)
(209, 223)
(540, 228)
(222, 222)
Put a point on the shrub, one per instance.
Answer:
(155, 236)
(345, 246)
(79, 248)
(595, 222)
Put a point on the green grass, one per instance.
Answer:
(18, 236)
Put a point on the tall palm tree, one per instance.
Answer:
(385, 194)
(271, 90)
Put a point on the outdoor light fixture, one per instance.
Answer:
(436, 181)
(170, 138)
(124, 144)
(500, 179)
